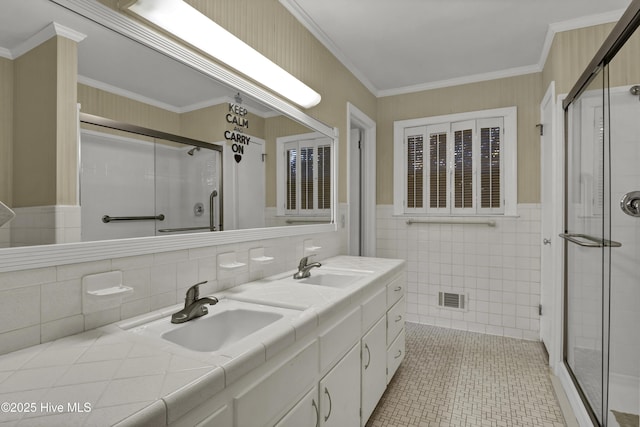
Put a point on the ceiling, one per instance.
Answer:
(400, 46)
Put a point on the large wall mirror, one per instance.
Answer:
(111, 131)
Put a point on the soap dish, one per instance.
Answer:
(103, 291)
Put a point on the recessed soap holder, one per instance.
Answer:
(103, 291)
(228, 261)
(257, 256)
(309, 248)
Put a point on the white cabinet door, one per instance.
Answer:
(304, 414)
(395, 355)
(340, 392)
(374, 367)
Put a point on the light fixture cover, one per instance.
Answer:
(188, 24)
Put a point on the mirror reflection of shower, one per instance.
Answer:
(137, 178)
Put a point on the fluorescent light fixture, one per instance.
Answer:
(188, 24)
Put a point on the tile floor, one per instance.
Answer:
(458, 378)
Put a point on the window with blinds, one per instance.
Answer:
(307, 179)
(456, 167)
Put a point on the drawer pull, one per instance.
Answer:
(366, 346)
(329, 396)
(313, 403)
(396, 356)
(398, 289)
(399, 318)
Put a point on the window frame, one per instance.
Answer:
(309, 140)
(508, 160)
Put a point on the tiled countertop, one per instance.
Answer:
(108, 375)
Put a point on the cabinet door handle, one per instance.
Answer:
(398, 289)
(399, 318)
(315, 406)
(329, 396)
(366, 346)
(398, 355)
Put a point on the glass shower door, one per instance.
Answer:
(587, 250)
(624, 320)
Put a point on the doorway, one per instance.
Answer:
(360, 218)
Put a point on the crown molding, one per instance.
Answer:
(51, 30)
(126, 94)
(303, 17)
(5, 53)
(501, 74)
(163, 105)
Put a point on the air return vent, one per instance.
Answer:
(449, 300)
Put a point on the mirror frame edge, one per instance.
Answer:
(42, 256)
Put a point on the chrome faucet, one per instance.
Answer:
(303, 268)
(194, 306)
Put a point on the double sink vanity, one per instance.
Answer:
(318, 350)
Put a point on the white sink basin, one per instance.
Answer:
(331, 280)
(227, 323)
(213, 332)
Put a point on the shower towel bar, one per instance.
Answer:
(301, 221)
(107, 218)
(592, 242)
(489, 223)
(171, 230)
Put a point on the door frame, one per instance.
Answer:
(551, 155)
(368, 174)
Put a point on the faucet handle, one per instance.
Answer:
(304, 260)
(193, 293)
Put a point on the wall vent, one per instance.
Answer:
(450, 300)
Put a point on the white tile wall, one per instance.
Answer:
(42, 225)
(45, 304)
(498, 268)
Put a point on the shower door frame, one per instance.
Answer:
(619, 35)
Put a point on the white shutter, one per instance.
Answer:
(415, 169)
(437, 174)
(324, 178)
(462, 185)
(291, 177)
(490, 180)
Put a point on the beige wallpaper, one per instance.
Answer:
(115, 107)
(571, 52)
(35, 128)
(525, 92)
(66, 123)
(6, 131)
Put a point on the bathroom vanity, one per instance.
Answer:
(283, 352)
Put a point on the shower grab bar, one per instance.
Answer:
(489, 223)
(107, 218)
(171, 230)
(592, 242)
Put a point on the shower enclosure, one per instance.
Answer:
(135, 182)
(602, 230)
